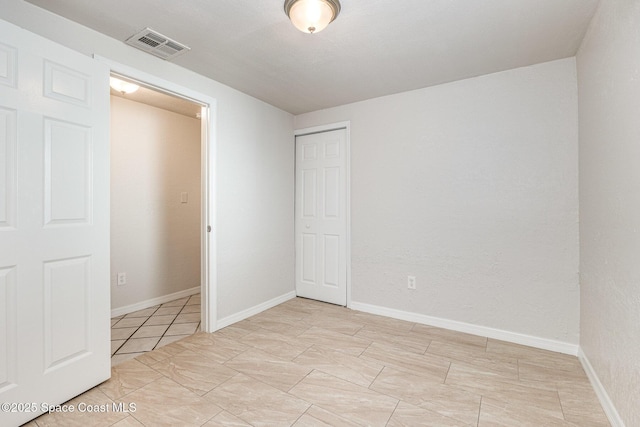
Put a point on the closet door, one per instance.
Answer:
(321, 220)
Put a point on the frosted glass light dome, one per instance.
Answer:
(122, 86)
(312, 16)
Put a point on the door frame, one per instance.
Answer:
(208, 239)
(346, 125)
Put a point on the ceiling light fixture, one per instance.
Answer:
(311, 16)
(122, 86)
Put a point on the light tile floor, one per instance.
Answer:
(307, 363)
(145, 330)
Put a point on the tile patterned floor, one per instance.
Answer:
(145, 330)
(306, 363)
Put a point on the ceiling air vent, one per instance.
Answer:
(156, 44)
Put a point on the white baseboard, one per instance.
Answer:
(513, 337)
(609, 409)
(252, 311)
(154, 301)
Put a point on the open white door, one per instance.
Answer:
(54, 223)
(321, 216)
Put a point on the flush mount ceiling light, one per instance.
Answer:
(311, 16)
(122, 86)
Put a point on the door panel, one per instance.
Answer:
(321, 223)
(8, 332)
(8, 164)
(331, 260)
(67, 173)
(66, 332)
(332, 193)
(54, 222)
(309, 258)
(8, 65)
(309, 185)
(67, 85)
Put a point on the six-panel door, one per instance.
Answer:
(54, 223)
(321, 224)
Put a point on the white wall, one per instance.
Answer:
(609, 104)
(472, 187)
(155, 238)
(255, 165)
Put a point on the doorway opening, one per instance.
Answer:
(162, 216)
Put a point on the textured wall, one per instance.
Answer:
(256, 252)
(155, 239)
(472, 187)
(609, 104)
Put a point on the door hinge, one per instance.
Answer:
(208, 229)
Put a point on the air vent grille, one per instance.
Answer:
(157, 44)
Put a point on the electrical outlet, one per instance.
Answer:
(122, 279)
(411, 282)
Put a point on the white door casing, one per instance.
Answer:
(321, 216)
(208, 179)
(54, 223)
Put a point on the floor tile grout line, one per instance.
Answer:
(393, 412)
(561, 406)
(377, 376)
(448, 370)
(306, 412)
(172, 322)
(132, 334)
(129, 339)
(143, 324)
(119, 347)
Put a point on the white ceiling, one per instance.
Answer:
(374, 48)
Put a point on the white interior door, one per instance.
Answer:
(54, 223)
(321, 220)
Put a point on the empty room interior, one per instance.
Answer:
(369, 213)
